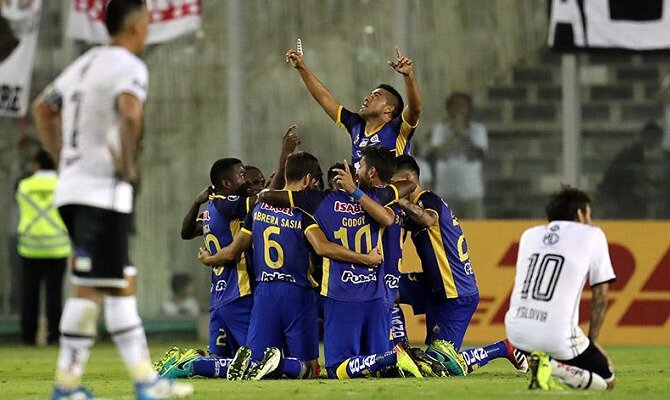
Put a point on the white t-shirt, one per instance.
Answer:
(457, 177)
(553, 264)
(89, 89)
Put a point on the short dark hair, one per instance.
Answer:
(221, 169)
(117, 11)
(179, 282)
(563, 205)
(406, 162)
(331, 171)
(382, 159)
(459, 95)
(44, 160)
(398, 104)
(299, 164)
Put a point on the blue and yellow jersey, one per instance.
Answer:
(220, 223)
(344, 222)
(280, 250)
(392, 241)
(394, 135)
(443, 251)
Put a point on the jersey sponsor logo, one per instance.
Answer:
(550, 239)
(276, 276)
(392, 281)
(531, 313)
(349, 208)
(286, 211)
(220, 286)
(357, 364)
(357, 279)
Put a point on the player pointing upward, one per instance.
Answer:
(382, 118)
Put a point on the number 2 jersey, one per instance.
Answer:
(281, 251)
(88, 91)
(554, 262)
(443, 251)
(221, 221)
(344, 221)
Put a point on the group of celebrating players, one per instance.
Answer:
(266, 249)
(283, 259)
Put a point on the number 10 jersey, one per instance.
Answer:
(554, 262)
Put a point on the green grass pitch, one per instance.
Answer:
(27, 373)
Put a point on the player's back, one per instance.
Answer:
(222, 220)
(89, 89)
(554, 263)
(280, 249)
(443, 251)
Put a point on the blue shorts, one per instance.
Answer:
(354, 329)
(228, 326)
(284, 316)
(449, 319)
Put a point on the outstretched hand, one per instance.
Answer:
(402, 65)
(290, 141)
(294, 58)
(345, 179)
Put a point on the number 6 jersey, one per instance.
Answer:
(553, 264)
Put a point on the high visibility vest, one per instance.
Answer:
(41, 231)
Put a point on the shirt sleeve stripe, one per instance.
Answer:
(290, 199)
(312, 226)
(245, 230)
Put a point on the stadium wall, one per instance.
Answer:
(639, 300)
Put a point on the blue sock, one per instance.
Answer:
(398, 326)
(295, 368)
(479, 356)
(365, 366)
(211, 367)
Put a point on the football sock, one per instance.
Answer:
(211, 367)
(398, 326)
(125, 327)
(78, 326)
(294, 368)
(366, 366)
(477, 357)
(576, 377)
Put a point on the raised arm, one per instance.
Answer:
(598, 309)
(403, 66)
(320, 93)
(190, 226)
(46, 113)
(232, 252)
(289, 143)
(333, 251)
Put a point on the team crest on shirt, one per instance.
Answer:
(550, 239)
(364, 142)
(374, 140)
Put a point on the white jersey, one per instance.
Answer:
(89, 89)
(553, 264)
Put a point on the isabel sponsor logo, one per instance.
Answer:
(285, 211)
(348, 208)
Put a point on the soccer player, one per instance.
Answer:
(356, 331)
(227, 206)
(451, 292)
(553, 263)
(285, 306)
(382, 118)
(255, 178)
(90, 121)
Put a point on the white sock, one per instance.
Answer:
(78, 327)
(577, 378)
(125, 326)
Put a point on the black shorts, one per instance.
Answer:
(592, 359)
(100, 241)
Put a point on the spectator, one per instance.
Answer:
(44, 246)
(182, 302)
(635, 184)
(458, 146)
